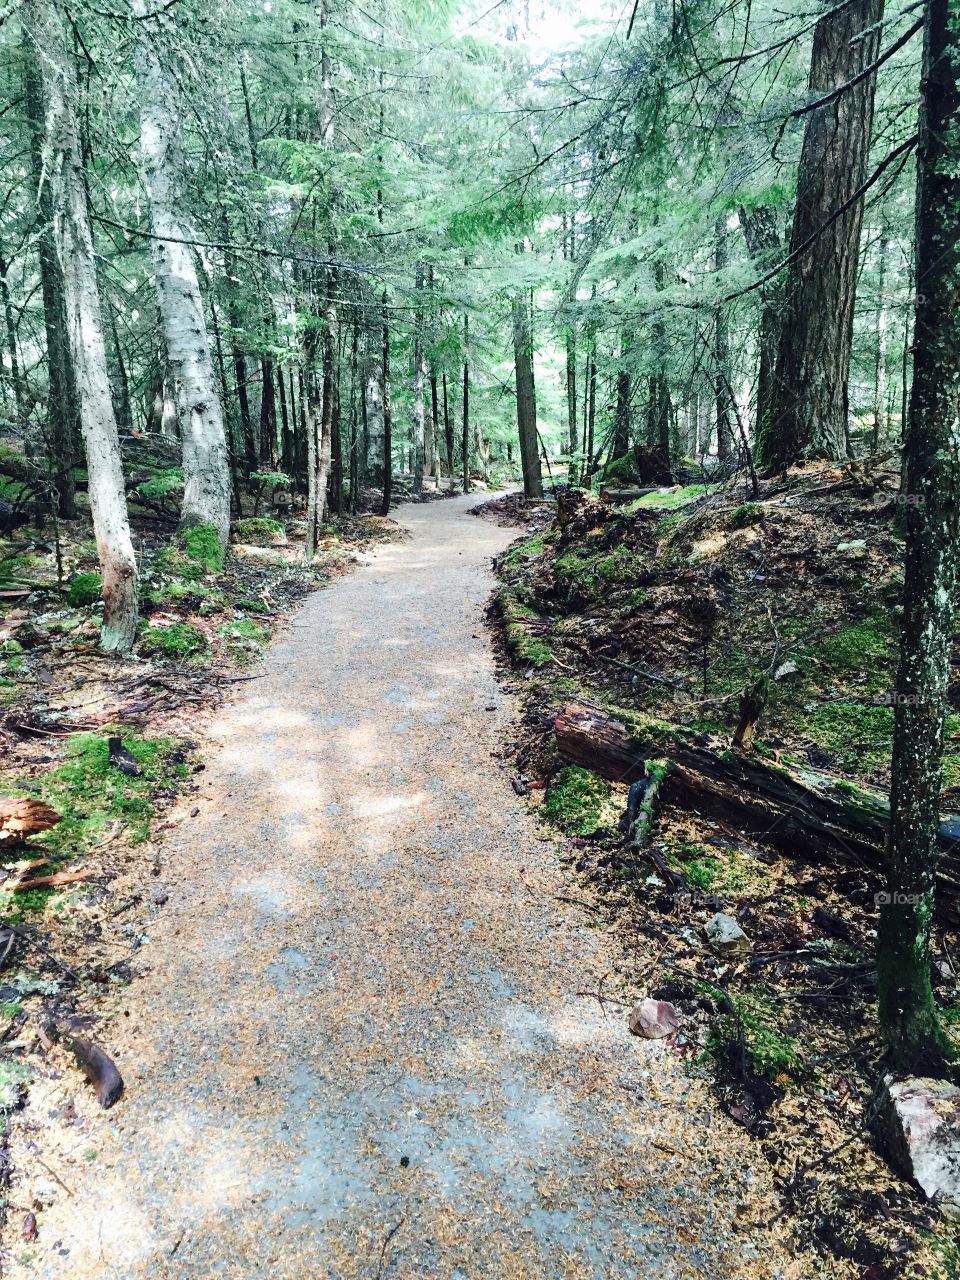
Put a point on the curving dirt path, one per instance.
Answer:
(361, 1046)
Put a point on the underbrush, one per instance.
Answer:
(664, 614)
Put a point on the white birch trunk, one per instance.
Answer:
(71, 226)
(206, 467)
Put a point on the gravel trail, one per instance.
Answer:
(364, 1043)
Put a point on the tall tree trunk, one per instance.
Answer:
(336, 444)
(591, 412)
(658, 404)
(387, 415)
(62, 425)
(880, 367)
(121, 399)
(526, 399)
(907, 1013)
(764, 246)
(465, 434)
(810, 418)
(268, 416)
(286, 428)
(418, 381)
(373, 399)
(571, 345)
(620, 441)
(232, 451)
(15, 375)
(328, 416)
(206, 468)
(448, 429)
(435, 436)
(239, 360)
(721, 356)
(74, 243)
(312, 405)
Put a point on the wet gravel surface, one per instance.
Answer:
(364, 1043)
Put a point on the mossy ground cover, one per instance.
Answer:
(581, 803)
(95, 799)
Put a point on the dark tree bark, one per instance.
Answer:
(286, 430)
(813, 360)
(571, 392)
(465, 447)
(721, 356)
(591, 412)
(387, 416)
(658, 388)
(526, 400)
(268, 416)
(13, 355)
(448, 430)
(764, 246)
(906, 1006)
(419, 438)
(435, 414)
(63, 423)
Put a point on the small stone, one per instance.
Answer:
(653, 1019)
(726, 937)
(858, 544)
(922, 1122)
(785, 669)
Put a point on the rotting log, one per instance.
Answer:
(805, 813)
(616, 497)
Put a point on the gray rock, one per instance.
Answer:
(726, 937)
(922, 1121)
(653, 1019)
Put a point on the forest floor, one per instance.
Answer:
(660, 612)
(365, 1037)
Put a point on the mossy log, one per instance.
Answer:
(805, 813)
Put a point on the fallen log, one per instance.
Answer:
(616, 497)
(805, 813)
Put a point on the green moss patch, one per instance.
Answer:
(85, 589)
(771, 1052)
(519, 620)
(91, 794)
(202, 546)
(581, 802)
(672, 500)
(260, 531)
(243, 639)
(179, 640)
(860, 648)
(858, 736)
(523, 551)
(746, 514)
